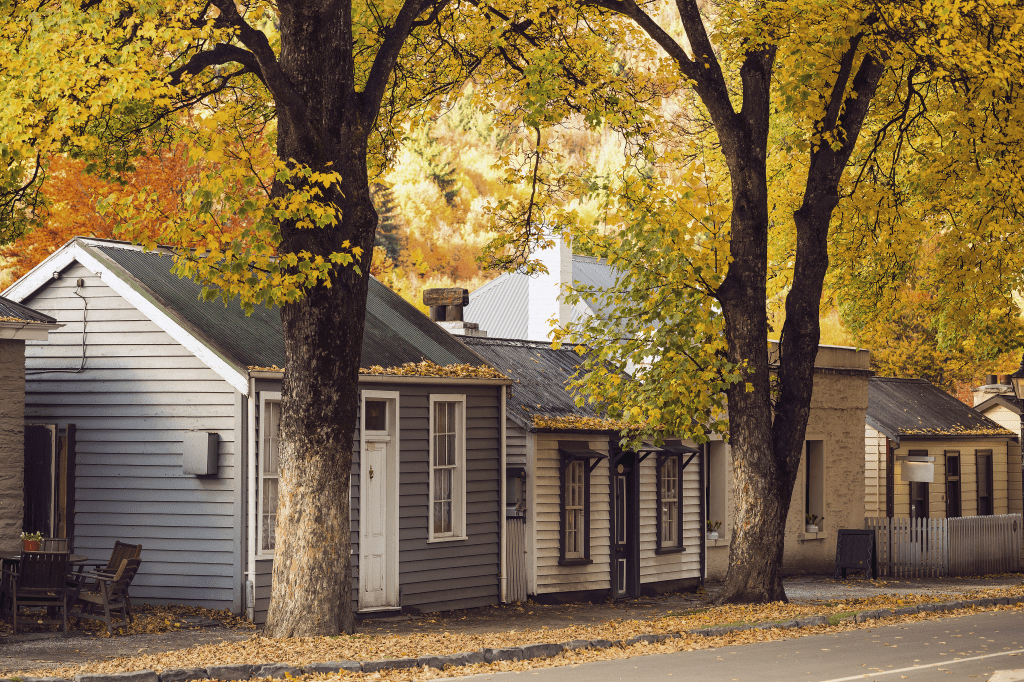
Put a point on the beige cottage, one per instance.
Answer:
(17, 324)
(829, 483)
(927, 455)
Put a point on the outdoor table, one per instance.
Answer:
(15, 557)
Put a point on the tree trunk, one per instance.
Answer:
(323, 331)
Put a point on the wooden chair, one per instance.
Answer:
(54, 545)
(120, 553)
(39, 580)
(101, 599)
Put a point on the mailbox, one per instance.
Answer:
(199, 453)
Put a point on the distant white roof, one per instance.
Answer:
(502, 309)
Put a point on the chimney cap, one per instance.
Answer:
(449, 296)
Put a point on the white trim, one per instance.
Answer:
(250, 504)
(265, 397)
(458, 479)
(431, 541)
(77, 250)
(27, 331)
(391, 511)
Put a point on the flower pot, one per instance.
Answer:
(811, 529)
(30, 545)
(713, 535)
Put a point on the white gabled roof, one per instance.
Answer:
(82, 251)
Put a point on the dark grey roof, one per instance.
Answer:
(1007, 401)
(540, 375)
(9, 310)
(902, 408)
(396, 332)
(502, 306)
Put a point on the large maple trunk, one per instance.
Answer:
(323, 331)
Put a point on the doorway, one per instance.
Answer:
(378, 502)
(625, 541)
(49, 481)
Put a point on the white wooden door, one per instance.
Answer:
(375, 591)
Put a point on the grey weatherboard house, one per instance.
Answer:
(175, 404)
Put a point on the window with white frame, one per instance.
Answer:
(270, 423)
(447, 467)
(575, 510)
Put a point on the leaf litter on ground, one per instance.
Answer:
(366, 647)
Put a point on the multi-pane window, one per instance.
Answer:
(447, 469)
(575, 510)
(669, 488)
(985, 502)
(953, 485)
(268, 455)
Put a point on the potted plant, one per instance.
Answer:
(812, 523)
(30, 541)
(713, 527)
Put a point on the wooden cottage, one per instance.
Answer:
(175, 404)
(18, 325)
(928, 455)
(593, 520)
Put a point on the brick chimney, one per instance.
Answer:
(995, 384)
(446, 306)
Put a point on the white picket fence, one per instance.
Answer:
(924, 548)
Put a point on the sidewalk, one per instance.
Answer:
(470, 628)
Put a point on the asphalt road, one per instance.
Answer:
(972, 647)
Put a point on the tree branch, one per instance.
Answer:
(274, 77)
(387, 56)
(220, 54)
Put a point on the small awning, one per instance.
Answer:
(591, 457)
(667, 449)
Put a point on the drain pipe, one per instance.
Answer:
(501, 510)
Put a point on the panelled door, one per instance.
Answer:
(378, 509)
(625, 568)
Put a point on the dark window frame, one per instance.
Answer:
(660, 463)
(590, 460)
(954, 482)
(991, 502)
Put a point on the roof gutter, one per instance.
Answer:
(397, 379)
(27, 330)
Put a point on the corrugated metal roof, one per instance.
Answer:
(541, 375)
(396, 332)
(15, 311)
(502, 306)
(915, 407)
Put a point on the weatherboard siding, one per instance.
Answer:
(139, 393)
(655, 568)
(550, 576)
(441, 575)
(1005, 495)
(874, 472)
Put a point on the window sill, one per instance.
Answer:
(720, 542)
(669, 550)
(809, 537)
(575, 562)
(446, 539)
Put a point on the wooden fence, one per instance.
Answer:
(924, 548)
(515, 558)
(980, 545)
